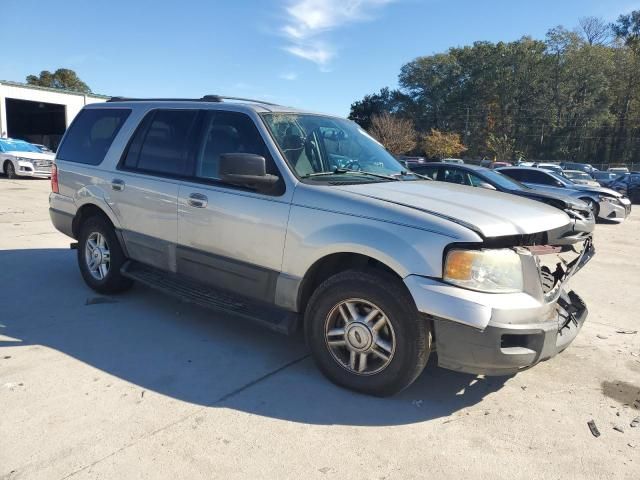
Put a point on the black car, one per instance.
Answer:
(604, 178)
(475, 176)
(627, 184)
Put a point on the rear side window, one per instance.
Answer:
(91, 135)
(162, 143)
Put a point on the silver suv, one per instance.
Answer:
(291, 218)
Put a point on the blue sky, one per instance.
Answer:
(314, 54)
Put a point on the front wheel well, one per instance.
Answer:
(335, 263)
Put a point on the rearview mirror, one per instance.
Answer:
(246, 170)
(486, 185)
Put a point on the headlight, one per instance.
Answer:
(21, 159)
(609, 199)
(493, 271)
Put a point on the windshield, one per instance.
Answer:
(577, 175)
(7, 145)
(565, 181)
(503, 181)
(317, 147)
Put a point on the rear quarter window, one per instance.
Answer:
(91, 134)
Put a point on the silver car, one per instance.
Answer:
(293, 219)
(606, 204)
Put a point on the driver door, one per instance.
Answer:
(228, 236)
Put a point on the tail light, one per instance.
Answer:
(54, 179)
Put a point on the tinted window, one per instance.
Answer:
(453, 175)
(161, 143)
(91, 135)
(531, 176)
(228, 132)
(428, 171)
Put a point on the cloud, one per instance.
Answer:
(309, 22)
(289, 76)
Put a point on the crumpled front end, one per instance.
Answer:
(503, 333)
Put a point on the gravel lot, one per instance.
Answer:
(143, 386)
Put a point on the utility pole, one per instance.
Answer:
(466, 125)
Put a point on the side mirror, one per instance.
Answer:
(559, 183)
(486, 185)
(246, 170)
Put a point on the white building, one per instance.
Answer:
(39, 114)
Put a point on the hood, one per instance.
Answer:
(490, 213)
(589, 183)
(556, 198)
(602, 190)
(33, 155)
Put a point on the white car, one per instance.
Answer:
(580, 178)
(619, 170)
(22, 159)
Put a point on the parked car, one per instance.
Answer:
(288, 218)
(580, 178)
(549, 166)
(409, 161)
(475, 176)
(494, 165)
(453, 160)
(22, 159)
(43, 148)
(618, 170)
(583, 167)
(604, 178)
(628, 184)
(606, 204)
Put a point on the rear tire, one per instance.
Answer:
(100, 257)
(374, 353)
(10, 170)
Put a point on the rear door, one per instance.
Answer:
(231, 237)
(146, 184)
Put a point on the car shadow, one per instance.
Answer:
(197, 356)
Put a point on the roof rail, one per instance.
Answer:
(205, 98)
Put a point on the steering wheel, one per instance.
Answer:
(352, 165)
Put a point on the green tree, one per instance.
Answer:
(385, 101)
(62, 78)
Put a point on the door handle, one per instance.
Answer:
(197, 200)
(117, 184)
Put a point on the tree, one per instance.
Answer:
(627, 28)
(442, 144)
(396, 134)
(501, 146)
(595, 30)
(389, 101)
(62, 78)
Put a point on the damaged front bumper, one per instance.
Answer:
(501, 334)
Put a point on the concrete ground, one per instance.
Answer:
(143, 386)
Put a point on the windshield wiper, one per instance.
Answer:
(406, 173)
(339, 171)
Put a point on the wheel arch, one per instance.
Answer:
(334, 263)
(89, 210)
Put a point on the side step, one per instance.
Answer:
(190, 291)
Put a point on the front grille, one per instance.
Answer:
(555, 268)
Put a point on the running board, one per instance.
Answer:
(190, 291)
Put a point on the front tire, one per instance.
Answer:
(100, 257)
(365, 333)
(10, 170)
(594, 207)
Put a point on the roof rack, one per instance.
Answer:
(205, 98)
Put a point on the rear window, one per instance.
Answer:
(91, 134)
